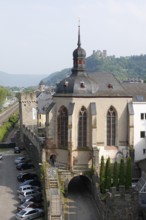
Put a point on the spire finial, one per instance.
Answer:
(79, 40)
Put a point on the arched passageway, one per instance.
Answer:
(80, 202)
(79, 185)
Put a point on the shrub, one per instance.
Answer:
(122, 173)
(128, 180)
(108, 174)
(115, 174)
(102, 175)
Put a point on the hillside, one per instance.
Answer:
(122, 68)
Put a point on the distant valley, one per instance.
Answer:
(19, 80)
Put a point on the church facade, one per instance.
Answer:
(91, 115)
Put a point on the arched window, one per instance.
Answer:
(111, 126)
(63, 127)
(82, 128)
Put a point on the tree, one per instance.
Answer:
(108, 174)
(102, 172)
(3, 93)
(122, 173)
(128, 180)
(115, 174)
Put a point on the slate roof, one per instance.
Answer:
(137, 90)
(108, 85)
(95, 84)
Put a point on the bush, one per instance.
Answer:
(115, 174)
(4, 129)
(102, 176)
(108, 174)
(128, 180)
(122, 173)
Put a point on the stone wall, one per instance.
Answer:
(121, 204)
(116, 205)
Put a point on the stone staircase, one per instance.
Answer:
(53, 183)
(55, 209)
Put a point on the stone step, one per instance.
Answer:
(55, 218)
(53, 183)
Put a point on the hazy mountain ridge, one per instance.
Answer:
(20, 80)
(123, 68)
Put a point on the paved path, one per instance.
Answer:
(8, 186)
(80, 204)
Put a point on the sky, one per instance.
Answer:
(39, 36)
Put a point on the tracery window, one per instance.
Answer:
(63, 127)
(111, 126)
(82, 128)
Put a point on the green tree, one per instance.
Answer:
(13, 118)
(128, 180)
(122, 173)
(108, 174)
(3, 93)
(102, 173)
(115, 174)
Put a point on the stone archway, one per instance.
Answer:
(79, 183)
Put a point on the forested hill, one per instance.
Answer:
(123, 68)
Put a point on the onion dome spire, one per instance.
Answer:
(79, 38)
(79, 56)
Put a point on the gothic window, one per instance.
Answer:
(111, 126)
(63, 127)
(82, 128)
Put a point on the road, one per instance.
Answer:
(80, 204)
(8, 186)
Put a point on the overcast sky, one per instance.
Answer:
(39, 36)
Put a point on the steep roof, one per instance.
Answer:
(137, 90)
(108, 85)
(92, 84)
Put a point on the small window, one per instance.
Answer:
(142, 134)
(142, 116)
(144, 151)
(82, 84)
(110, 86)
(66, 83)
